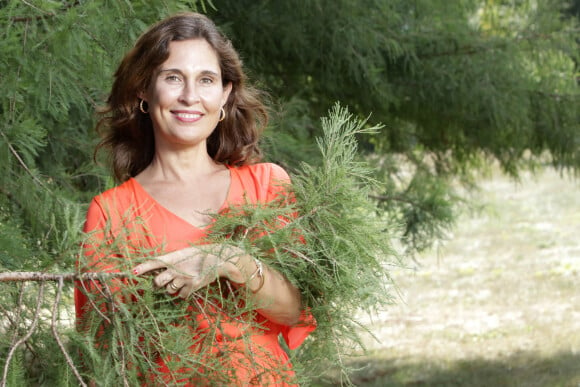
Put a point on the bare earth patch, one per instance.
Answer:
(496, 304)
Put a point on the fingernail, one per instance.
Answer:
(135, 271)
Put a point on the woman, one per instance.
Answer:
(183, 137)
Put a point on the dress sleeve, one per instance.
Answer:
(93, 229)
(96, 256)
(296, 334)
(278, 182)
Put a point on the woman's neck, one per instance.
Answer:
(179, 167)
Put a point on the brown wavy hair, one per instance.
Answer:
(128, 133)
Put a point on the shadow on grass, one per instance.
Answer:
(521, 369)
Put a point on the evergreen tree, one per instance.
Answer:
(458, 84)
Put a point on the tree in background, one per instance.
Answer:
(458, 85)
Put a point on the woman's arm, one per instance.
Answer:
(192, 268)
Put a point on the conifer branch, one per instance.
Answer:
(458, 50)
(414, 203)
(56, 336)
(6, 193)
(23, 339)
(24, 276)
(27, 19)
(12, 111)
(386, 198)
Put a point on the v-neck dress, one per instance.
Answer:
(127, 214)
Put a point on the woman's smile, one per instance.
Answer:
(187, 116)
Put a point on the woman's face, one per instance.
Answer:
(185, 95)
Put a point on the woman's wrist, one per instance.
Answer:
(246, 270)
(258, 275)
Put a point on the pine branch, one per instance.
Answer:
(24, 276)
(18, 343)
(56, 335)
(12, 110)
(401, 199)
(466, 50)
(27, 19)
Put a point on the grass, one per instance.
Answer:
(519, 369)
(498, 304)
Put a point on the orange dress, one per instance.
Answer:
(129, 215)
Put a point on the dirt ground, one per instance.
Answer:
(498, 303)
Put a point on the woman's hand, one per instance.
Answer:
(189, 269)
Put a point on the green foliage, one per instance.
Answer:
(348, 246)
(27, 339)
(457, 85)
(57, 63)
(464, 76)
(337, 250)
(17, 372)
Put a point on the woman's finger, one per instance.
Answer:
(163, 279)
(174, 286)
(150, 265)
(160, 262)
(186, 290)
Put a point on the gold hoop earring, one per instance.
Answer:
(222, 115)
(142, 108)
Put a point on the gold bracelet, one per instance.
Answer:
(256, 272)
(260, 273)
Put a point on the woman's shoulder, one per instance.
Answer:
(120, 194)
(111, 205)
(264, 171)
(258, 182)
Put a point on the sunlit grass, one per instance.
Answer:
(497, 305)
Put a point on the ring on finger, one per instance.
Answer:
(173, 286)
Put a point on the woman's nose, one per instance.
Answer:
(189, 94)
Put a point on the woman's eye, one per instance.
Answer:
(207, 81)
(173, 78)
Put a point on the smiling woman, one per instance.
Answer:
(182, 130)
(186, 97)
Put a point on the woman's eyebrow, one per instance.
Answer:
(170, 71)
(210, 72)
(204, 72)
